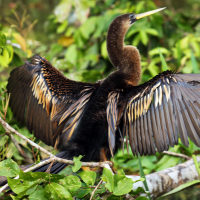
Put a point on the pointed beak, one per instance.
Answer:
(139, 16)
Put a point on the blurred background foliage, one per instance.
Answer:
(72, 36)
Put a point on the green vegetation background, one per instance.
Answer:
(72, 36)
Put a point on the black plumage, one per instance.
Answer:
(92, 119)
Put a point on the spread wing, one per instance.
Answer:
(153, 114)
(50, 103)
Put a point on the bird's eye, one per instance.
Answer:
(130, 16)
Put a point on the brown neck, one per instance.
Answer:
(115, 40)
(126, 58)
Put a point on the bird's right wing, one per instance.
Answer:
(153, 114)
(50, 103)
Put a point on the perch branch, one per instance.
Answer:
(8, 128)
(161, 182)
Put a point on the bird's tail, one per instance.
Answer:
(56, 167)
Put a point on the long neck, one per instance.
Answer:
(126, 58)
(115, 41)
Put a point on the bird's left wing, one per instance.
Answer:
(153, 114)
(51, 103)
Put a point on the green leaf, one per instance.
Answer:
(117, 178)
(142, 198)
(179, 52)
(131, 32)
(14, 197)
(136, 40)
(53, 177)
(196, 164)
(137, 191)
(9, 51)
(28, 191)
(71, 183)
(88, 177)
(9, 168)
(143, 175)
(164, 64)
(56, 191)
(62, 27)
(152, 31)
(2, 40)
(38, 195)
(166, 162)
(143, 37)
(39, 176)
(108, 177)
(77, 163)
(104, 52)
(194, 63)
(83, 191)
(181, 187)
(31, 176)
(18, 186)
(124, 186)
(113, 197)
(71, 54)
(19, 52)
(100, 27)
(155, 51)
(55, 48)
(88, 27)
(31, 190)
(67, 170)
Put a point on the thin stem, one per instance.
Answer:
(96, 189)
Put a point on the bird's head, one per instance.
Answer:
(117, 31)
(130, 18)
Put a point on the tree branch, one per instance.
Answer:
(176, 154)
(9, 129)
(162, 182)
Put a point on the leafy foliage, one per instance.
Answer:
(55, 186)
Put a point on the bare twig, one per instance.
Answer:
(177, 155)
(3, 134)
(96, 189)
(9, 129)
(33, 153)
(25, 156)
(49, 168)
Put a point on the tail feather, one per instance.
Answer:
(56, 167)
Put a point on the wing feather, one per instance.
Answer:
(42, 95)
(159, 110)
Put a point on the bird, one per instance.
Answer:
(92, 119)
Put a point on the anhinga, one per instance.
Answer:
(92, 119)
